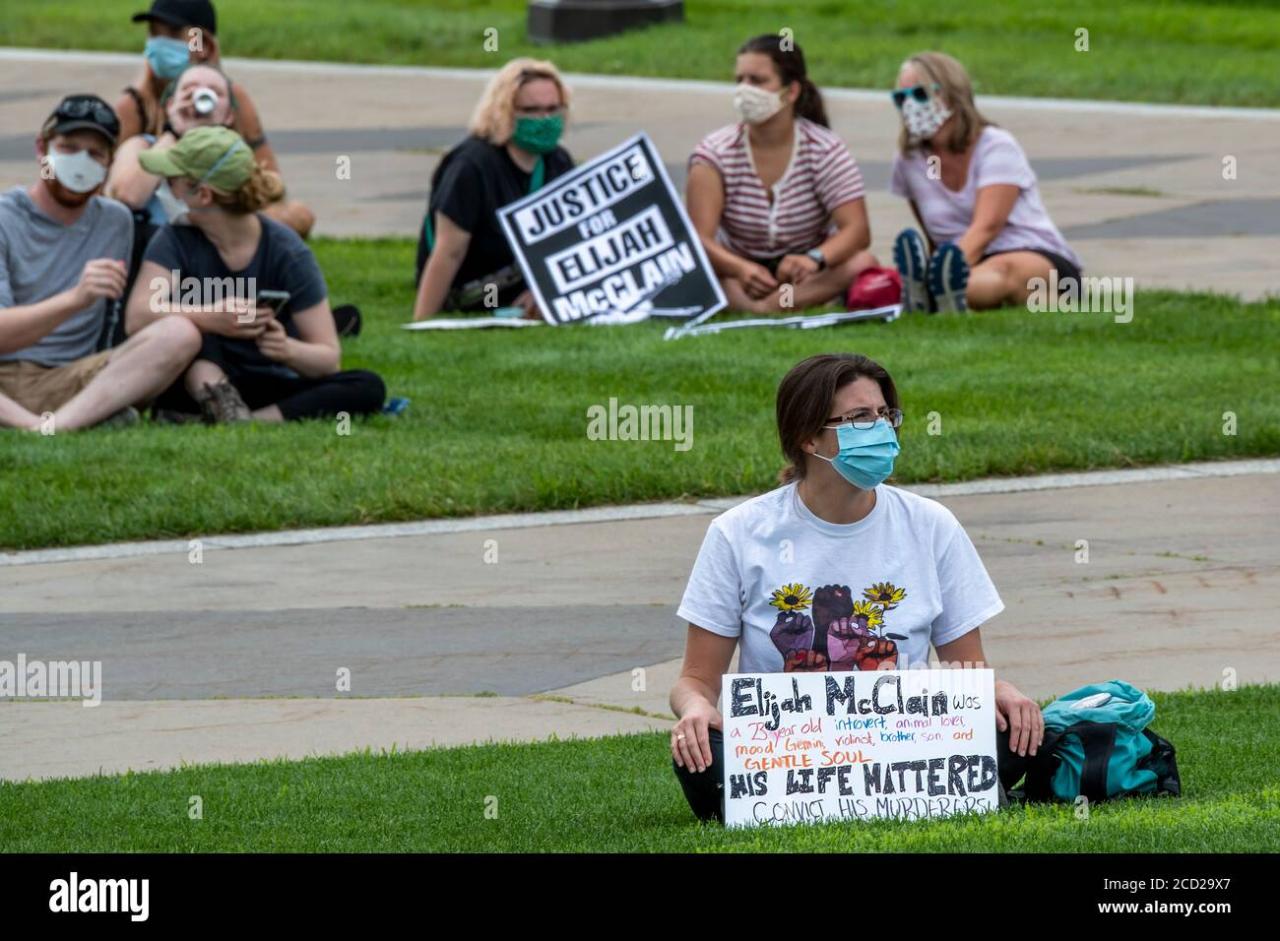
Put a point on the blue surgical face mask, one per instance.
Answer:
(866, 455)
(167, 57)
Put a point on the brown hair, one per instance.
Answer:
(805, 396)
(789, 62)
(263, 188)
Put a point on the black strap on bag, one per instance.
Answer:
(1098, 739)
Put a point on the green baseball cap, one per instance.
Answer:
(214, 155)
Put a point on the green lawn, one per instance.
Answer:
(619, 795)
(1204, 52)
(498, 420)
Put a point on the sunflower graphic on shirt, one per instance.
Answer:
(840, 633)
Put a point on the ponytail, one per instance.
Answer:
(263, 188)
(809, 103)
(788, 59)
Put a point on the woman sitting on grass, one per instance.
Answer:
(464, 261)
(256, 361)
(879, 574)
(973, 193)
(777, 198)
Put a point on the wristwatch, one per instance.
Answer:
(816, 255)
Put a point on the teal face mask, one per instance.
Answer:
(866, 455)
(167, 57)
(538, 135)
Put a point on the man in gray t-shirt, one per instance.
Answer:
(41, 257)
(64, 253)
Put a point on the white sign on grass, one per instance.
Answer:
(906, 744)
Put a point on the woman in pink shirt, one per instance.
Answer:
(975, 196)
(777, 198)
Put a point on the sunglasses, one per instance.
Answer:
(919, 92)
(91, 108)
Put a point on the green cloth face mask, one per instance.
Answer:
(538, 135)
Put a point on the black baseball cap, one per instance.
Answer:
(84, 113)
(179, 13)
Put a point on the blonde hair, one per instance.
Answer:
(956, 90)
(494, 118)
(263, 188)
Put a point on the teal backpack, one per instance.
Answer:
(1096, 743)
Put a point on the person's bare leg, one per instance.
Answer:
(1002, 280)
(293, 214)
(269, 413)
(202, 371)
(738, 297)
(13, 415)
(823, 287)
(143, 367)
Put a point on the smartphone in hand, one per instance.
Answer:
(276, 300)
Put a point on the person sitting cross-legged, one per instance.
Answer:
(63, 252)
(275, 361)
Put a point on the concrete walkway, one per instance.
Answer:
(1139, 190)
(573, 627)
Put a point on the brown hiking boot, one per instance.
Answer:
(222, 404)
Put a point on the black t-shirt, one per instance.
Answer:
(282, 262)
(471, 183)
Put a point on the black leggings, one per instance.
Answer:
(355, 391)
(704, 790)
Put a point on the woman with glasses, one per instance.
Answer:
(464, 262)
(835, 570)
(975, 196)
(777, 198)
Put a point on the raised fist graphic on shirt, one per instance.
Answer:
(844, 637)
(805, 661)
(876, 653)
(830, 602)
(792, 631)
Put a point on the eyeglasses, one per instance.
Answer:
(864, 419)
(918, 92)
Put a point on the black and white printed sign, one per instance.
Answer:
(611, 239)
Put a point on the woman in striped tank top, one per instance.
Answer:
(777, 198)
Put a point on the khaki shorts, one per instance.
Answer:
(41, 389)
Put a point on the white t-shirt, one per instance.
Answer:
(802, 593)
(997, 158)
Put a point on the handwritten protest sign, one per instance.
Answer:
(611, 238)
(908, 744)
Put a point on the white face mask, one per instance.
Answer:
(923, 118)
(175, 210)
(755, 105)
(78, 171)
